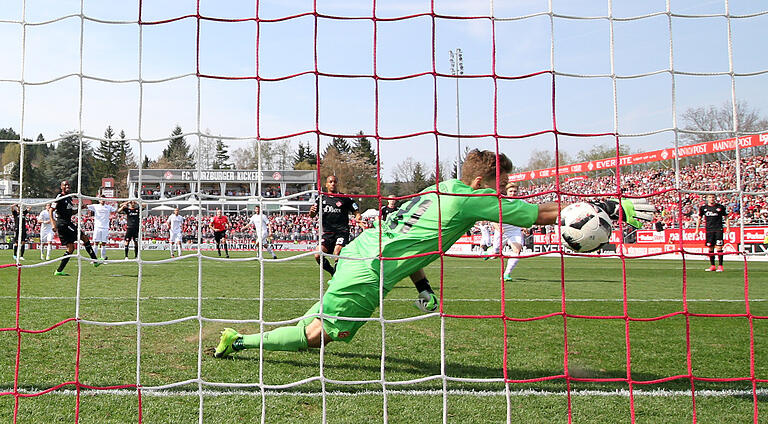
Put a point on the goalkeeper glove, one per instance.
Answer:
(427, 301)
(632, 210)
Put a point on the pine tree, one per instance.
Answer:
(419, 179)
(311, 155)
(106, 161)
(300, 156)
(124, 152)
(364, 148)
(222, 158)
(66, 163)
(177, 153)
(342, 145)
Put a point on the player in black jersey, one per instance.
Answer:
(67, 229)
(386, 210)
(19, 242)
(132, 222)
(335, 217)
(713, 214)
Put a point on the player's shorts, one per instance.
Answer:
(258, 241)
(218, 235)
(515, 236)
(175, 237)
(131, 233)
(101, 235)
(714, 238)
(330, 240)
(67, 233)
(353, 293)
(46, 236)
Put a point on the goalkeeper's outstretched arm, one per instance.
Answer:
(548, 212)
(633, 211)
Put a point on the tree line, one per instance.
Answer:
(46, 165)
(353, 160)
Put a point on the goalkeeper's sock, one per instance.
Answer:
(135, 249)
(422, 285)
(126, 249)
(284, 338)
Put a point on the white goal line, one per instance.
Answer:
(314, 299)
(146, 391)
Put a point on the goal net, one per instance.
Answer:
(203, 105)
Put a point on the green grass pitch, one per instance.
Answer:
(473, 348)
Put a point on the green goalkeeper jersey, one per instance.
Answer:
(428, 223)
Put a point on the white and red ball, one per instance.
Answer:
(584, 227)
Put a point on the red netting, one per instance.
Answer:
(437, 133)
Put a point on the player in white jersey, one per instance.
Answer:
(101, 214)
(510, 236)
(259, 223)
(46, 231)
(485, 235)
(174, 224)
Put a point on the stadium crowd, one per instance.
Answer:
(657, 184)
(288, 228)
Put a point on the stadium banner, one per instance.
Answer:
(288, 246)
(220, 175)
(652, 242)
(708, 147)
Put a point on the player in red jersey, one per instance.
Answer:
(220, 225)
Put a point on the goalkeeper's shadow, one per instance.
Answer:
(365, 362)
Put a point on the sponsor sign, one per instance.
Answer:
(221, 175)
(650, 242)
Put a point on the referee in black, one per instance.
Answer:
(67, 229)
(714, 214)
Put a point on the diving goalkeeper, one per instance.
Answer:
(424, 225)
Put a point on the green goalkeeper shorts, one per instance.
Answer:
(352, 292)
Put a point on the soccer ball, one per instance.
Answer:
(584, 227)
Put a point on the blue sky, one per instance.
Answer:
(113, 51)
